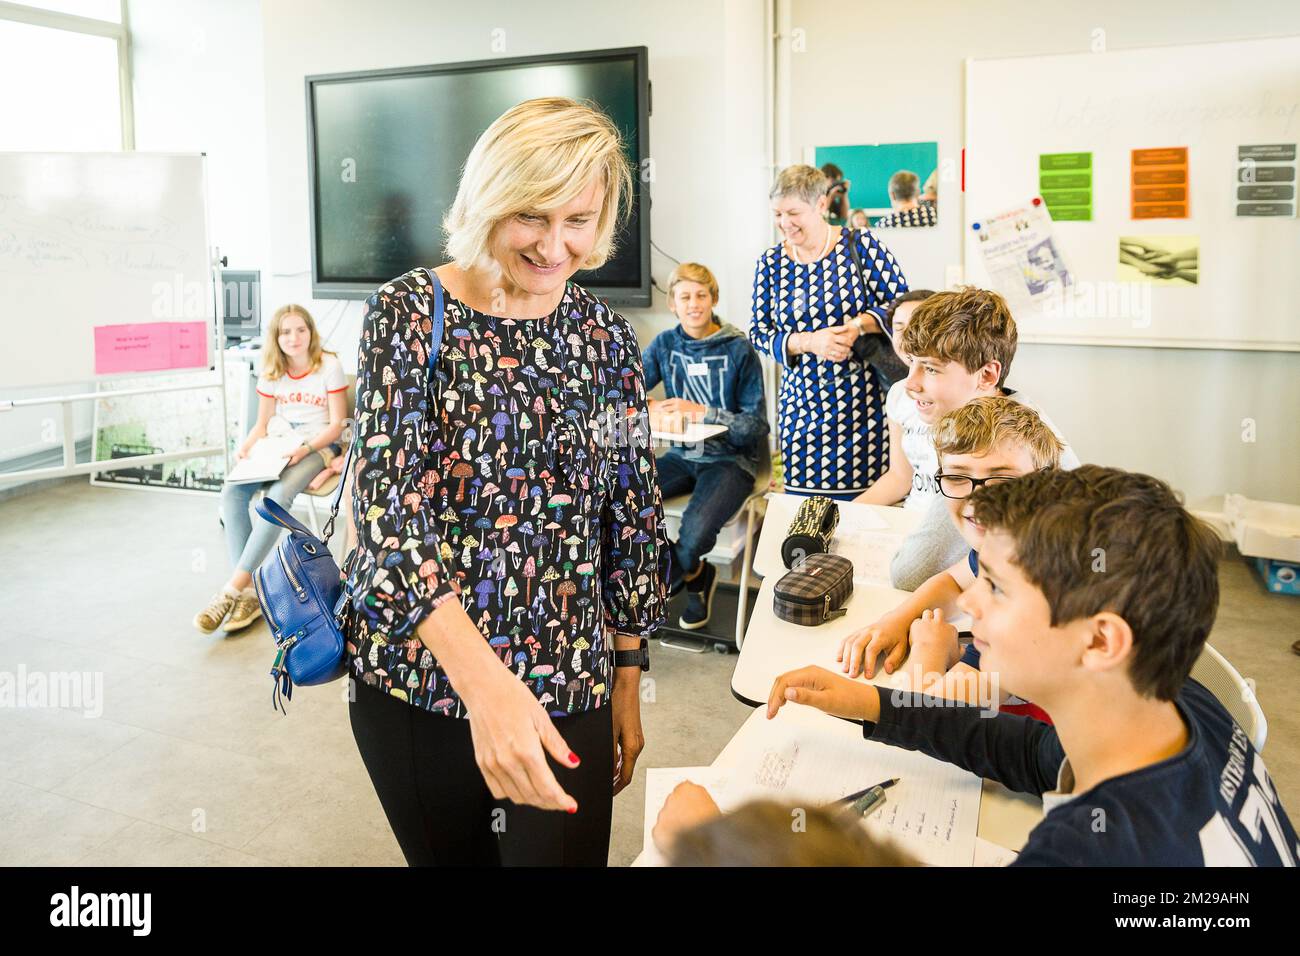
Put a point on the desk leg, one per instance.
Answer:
(745, 557)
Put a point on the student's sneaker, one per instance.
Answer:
(210, 618)
(247, 610)
(699, 599)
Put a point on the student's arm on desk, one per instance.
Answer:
(1021, 753)
(893, 486)
(888, 635)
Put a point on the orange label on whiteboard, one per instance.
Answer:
(1164, 167)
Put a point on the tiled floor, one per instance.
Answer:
(182, 760)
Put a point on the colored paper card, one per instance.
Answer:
(1266, 180)
(1160, 183)
(150, 347)
(1048, 162)
(1065, 183)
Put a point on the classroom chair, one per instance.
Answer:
(724, 557)
(1234, 692)
(317, 502)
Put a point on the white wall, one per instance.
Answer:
(199, 88)
(706, 131)
(1176, 413)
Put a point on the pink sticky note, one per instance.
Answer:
(189, 345)
(150, 347)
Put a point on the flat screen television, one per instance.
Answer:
(386, 147)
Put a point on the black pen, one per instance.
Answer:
(862, 793)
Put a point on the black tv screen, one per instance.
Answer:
(386, 148)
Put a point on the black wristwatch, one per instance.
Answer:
(638, 658)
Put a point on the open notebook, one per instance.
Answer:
(804, 755)
(266, 459)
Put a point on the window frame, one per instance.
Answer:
(73, 23)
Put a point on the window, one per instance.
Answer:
(68, 63)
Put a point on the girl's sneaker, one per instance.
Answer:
(210, 618)
(247, 610)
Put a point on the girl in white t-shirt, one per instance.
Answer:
(912, 461)
(302, 392)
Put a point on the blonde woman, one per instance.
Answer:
(508, 515)
(302, 392)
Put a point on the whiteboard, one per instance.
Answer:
(1210, 98)
(100, 239)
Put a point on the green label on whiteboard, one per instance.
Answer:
(1070, 213)
(1050, 162)
(1065, 183)
(1071, 180)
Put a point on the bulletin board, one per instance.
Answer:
(1199, 117)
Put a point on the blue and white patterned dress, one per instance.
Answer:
(830, 417)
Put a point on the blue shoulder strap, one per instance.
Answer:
(435, 344)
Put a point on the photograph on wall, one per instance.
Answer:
(133, 425)
(882, 186)
(1164, 260)
(1023, 258)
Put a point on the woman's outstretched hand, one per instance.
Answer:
(512, 733)
(512, 736)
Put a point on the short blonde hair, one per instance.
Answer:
(801, 181)
(693, 272)
(986, 423)
(903, 185)
(539, 155)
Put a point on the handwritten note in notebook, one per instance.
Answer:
(932, 812)
(870, 552)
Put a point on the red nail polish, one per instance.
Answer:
(573, 809)
(573, 758)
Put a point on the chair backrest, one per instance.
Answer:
(1232, 691)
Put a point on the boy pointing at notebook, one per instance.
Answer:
(1095, 595)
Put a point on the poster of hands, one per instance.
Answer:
(1023, 259)
(1164, 260)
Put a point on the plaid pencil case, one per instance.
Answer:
(815, 590)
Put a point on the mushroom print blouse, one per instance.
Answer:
(517, 479)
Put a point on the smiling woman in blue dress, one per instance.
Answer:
(508, 515)
(811, 302)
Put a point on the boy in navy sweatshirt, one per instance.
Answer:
(712, 375)
(1095, 596)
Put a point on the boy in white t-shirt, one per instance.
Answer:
(959, 346)
(910, 476)
(302, 393)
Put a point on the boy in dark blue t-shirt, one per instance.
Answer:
(1095, 595)
(711, 375)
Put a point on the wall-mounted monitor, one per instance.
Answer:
(386, 147)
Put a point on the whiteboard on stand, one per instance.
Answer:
(1211, 98)
(105, 267)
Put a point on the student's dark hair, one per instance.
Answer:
(911, 295)
(1100, 539)
(767, 833)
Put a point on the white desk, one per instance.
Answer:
(773, 646)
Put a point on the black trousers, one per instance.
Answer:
(439, 806)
